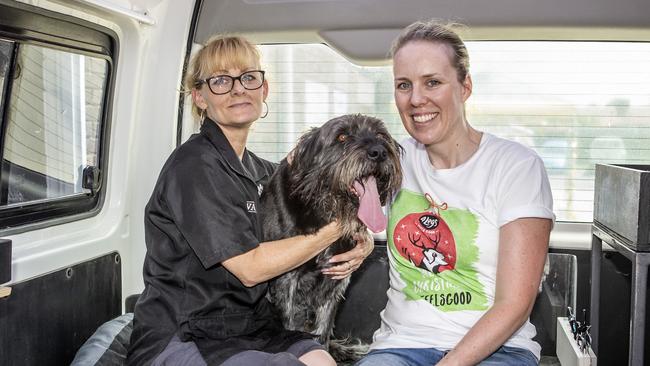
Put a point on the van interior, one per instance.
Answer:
(91, 106)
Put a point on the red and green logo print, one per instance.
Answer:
(424, 238)
(434, 250)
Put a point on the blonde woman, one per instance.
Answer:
(206, 269)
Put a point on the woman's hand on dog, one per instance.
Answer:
(350, 261)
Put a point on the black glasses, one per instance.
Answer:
(222, 84)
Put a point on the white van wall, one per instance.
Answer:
(142, 135)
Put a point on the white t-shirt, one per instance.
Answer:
(443, 236)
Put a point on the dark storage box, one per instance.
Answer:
(622, 203)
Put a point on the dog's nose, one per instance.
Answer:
(377, 153)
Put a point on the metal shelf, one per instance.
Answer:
(640, 261)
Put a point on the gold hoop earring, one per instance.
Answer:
(267, 110)
(202, 115)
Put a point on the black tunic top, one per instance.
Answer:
(203, 210)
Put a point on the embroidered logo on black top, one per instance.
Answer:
(250, 206)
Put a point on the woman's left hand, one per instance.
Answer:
(345, 263)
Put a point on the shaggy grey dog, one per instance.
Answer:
(346, 170)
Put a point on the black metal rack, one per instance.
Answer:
(622, 221)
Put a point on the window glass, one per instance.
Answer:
(53, 124)
(6, 48)
(575, 103)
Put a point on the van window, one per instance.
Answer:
(5, 53)
(56, 77)
(52, 126)
(575, 103)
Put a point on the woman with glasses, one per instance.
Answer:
(206, 269)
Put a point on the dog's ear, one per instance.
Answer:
(290, 156)
(304, 152)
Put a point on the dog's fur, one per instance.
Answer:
(313, 190)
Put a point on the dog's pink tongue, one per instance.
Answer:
(370, 212)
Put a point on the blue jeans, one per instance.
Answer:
(504, 356)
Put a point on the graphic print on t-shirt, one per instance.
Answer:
(435, 251)
(425, 240)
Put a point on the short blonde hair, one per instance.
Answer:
(219, 53)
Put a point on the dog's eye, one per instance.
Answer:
(342, 137)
